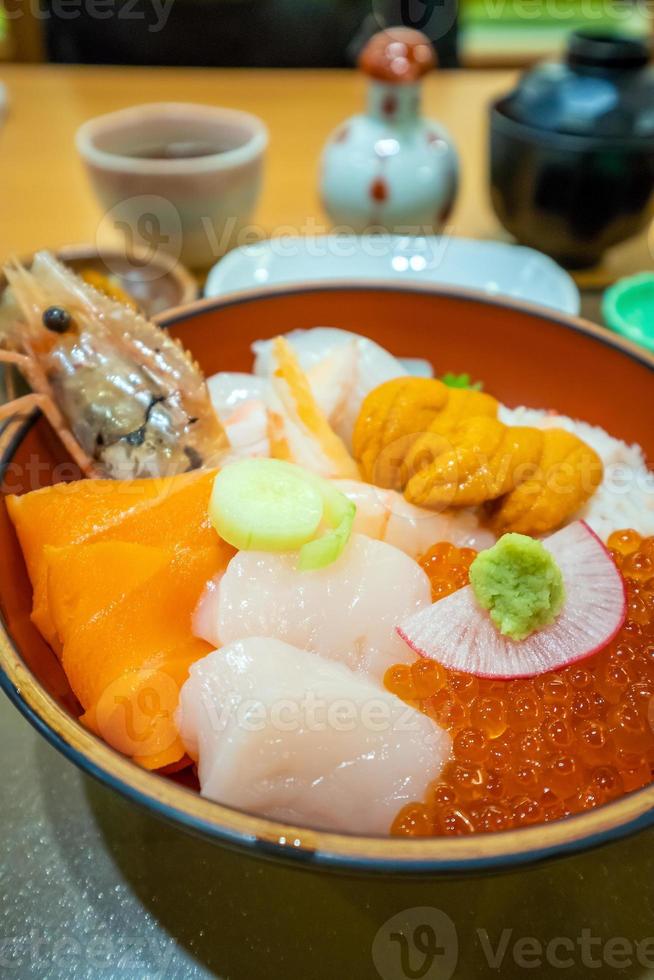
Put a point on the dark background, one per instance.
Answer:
(235, 33)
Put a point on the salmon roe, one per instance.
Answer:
(532, 750)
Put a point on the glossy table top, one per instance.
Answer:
(91, 887)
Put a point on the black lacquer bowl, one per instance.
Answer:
(572, 150)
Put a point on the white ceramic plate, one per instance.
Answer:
(495, 268)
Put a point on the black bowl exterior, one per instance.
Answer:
(569, 196)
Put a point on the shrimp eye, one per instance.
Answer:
(57, 319)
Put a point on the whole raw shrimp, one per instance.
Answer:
(126, 400)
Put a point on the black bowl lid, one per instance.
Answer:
(603, 88)
(604, 50)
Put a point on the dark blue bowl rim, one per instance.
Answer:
(502, 123)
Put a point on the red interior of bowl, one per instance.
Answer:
(521, 356)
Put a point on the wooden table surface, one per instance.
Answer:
(46, 200)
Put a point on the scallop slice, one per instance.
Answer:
(280, 732)
(347, 611)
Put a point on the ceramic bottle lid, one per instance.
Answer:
(397, 55)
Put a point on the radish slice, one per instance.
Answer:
(458, 633)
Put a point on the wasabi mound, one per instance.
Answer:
(520, 584)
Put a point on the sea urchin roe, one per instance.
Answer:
(537, 749)
(520, 584)
(445, 447)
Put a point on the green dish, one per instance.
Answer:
(628, 308)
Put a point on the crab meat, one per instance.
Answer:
(342, 367)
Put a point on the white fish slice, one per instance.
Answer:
(347, 611)
(283, 733)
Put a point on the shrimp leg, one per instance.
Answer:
(26, 366)
(28, 403)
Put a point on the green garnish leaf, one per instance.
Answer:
(461, 381)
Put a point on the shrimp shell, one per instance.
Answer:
(134, 400)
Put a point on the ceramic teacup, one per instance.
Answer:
(176, 177)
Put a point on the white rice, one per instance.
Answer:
(625, 498)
